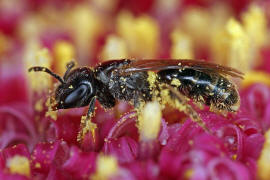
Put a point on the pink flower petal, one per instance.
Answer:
(80, 164)
(223, 168)
(125, 149)
(47, 154)
(67, 128)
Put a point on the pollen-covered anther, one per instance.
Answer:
(19, 165)
(64, 52)
(107, 167)
(149, 121)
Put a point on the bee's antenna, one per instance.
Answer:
(44, 69)
(69, 66)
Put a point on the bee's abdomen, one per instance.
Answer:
(208, 88)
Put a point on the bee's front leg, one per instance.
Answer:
(86, 124)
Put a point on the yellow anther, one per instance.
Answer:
(150, 121)
(64, 52)
(252, 77)
(255, 24)
(19, 165)
(115, 48)
(141, 34)
(107, 167)
(181, 46)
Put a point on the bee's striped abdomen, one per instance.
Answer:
(209, 88)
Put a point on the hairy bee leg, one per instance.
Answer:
(86, 124)
(185, 107)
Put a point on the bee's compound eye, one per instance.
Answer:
(77, 94)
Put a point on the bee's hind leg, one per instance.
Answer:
(174, 98)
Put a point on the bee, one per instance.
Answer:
(168, 81)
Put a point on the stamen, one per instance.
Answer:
(107, 167)
(19, 165)
(149, 122)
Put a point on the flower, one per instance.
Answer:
(120, 143)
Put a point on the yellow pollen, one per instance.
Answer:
(264, 159)
(150, 120)
(152, 79)
(176, 82)
(50, 113)
(107, 167)
(19, 165)
(87, 126)
(70, 87)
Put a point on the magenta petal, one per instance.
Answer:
(144, 169)
(46, 154)
(224, 168)
(122, 125)
(20, 149)
(169, 163)
(13, 79)
(5, 176)
(178, 142)
(233, 140)
(67, 127)
(125, 149)
(266, 117)
(148, 149)
(247, 125)
(254, 102)
(17, 125)
(56, 174)
(210, 144)
(91, 142)
(80, 164)
(253, 146)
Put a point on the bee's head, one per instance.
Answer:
(77, 87)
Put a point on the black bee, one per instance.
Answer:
(168, 81)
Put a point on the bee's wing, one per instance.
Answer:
(164, 64)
